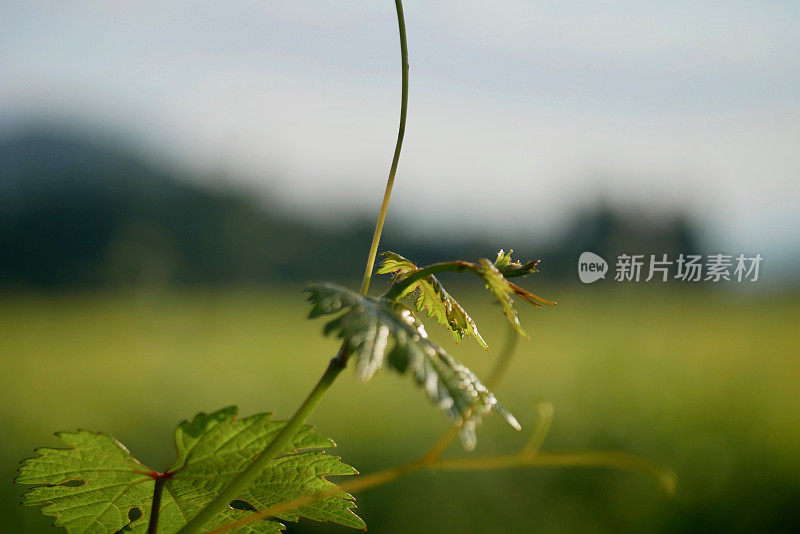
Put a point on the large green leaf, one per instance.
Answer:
(97, 486)
(430, 296)
(380, 331)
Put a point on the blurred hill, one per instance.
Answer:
(80, 212)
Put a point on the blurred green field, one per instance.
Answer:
(705, 382)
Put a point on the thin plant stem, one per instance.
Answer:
(503, 359)
(376, 236)
(361, 483)
(387, 475)
(528, 456)
(525, 458)
(665, 476)
(338, 363)
(278, 445)
(155, 508)
(536, 440)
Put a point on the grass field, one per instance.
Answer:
(705, 382)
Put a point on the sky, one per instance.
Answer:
(520, 111)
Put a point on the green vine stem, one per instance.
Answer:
(243, 481)
(376, 236)
(528, 456)
(155, 509)
(338, 363)
(399, 289)
(387, 475)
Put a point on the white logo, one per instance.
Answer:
(687, 267)
(591, 267)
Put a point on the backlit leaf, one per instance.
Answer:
(95, 485)
(502, 291)
(430, 296)
(381, 332)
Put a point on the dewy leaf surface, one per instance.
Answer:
(96, 486)
(430, 296)
(379, 331)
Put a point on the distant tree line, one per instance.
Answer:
(75, 213)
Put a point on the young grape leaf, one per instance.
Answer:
(502, 291)
(370, 325)
(431, 297)
(97, 486)
(510, 268)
